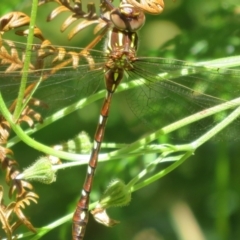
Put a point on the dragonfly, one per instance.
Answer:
(167, 88)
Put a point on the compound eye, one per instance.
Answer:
(127, 19)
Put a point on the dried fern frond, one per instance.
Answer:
(10, 166)
(6, 213)
(11, 57)
(13, 20)
(29, 115)
(75, 7)
(148, 6)
(46, 61)
(19, 187)
(20, 214)
(4, 132)
(4, 152)
(83, 19)
(22, 189)
(24, 195)
(44, 57)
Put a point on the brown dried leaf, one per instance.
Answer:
(46, 43)
(101, 25)
(9, 56)
(74, 7)
(101, 216)
(149, 6)
(27, 185)
(23, 198)
(5, 213)
(4, 131)
(75, 59)
(37, 33)
(81, 26)
(27, 198)
(68, 22)
(91, 12)
(24, 220)
(3, 152)
(9, 209)
(13, 20)
(29, 115)
(19, 186)
(1, 195)
(56, 12)
(10, 166)
(15, 187)
(15, 225)
(61, 54)
(4, 123)
(27, 120)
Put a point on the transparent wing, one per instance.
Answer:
(170, 89)
(57, 76)
(174, 89)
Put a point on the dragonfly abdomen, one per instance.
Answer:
(121, 47)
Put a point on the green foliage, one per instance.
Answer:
(207, 184)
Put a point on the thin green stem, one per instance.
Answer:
(60, 114)
(199, 115)
(27, 59)
(215, 130)
(34, 144)
(161, 173)
(44, 230)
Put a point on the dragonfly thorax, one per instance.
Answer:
(121, 43)
(121, 53)
(121, 48)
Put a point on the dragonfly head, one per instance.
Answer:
(127, 17)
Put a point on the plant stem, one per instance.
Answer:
(27, 59)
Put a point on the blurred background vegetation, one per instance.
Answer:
(201, 199)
